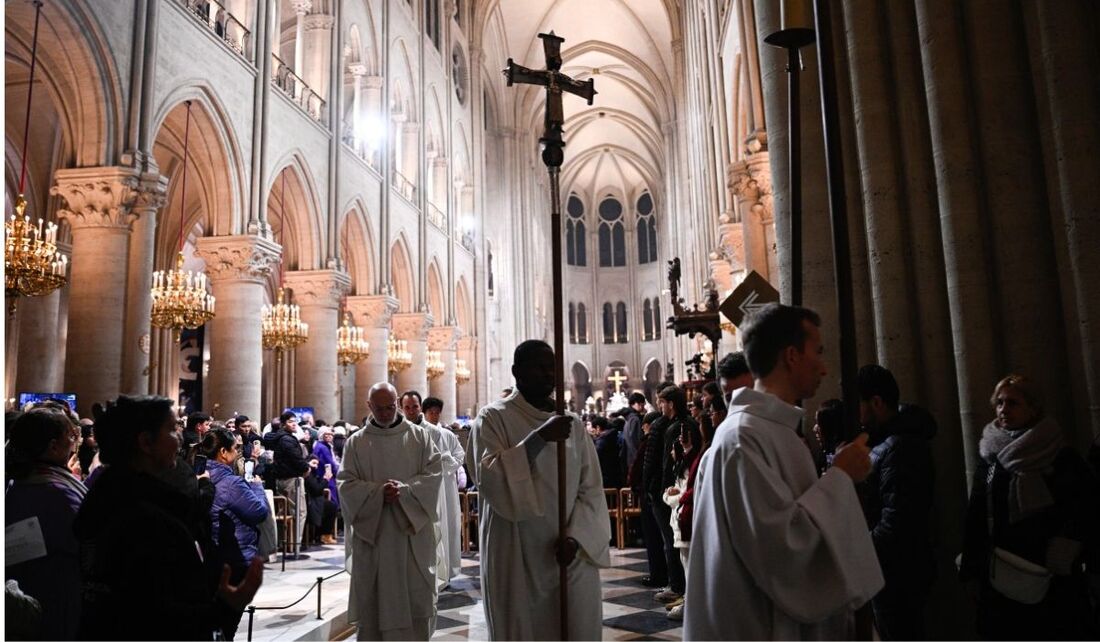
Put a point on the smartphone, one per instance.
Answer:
(199, 465)
(328, 469)
(249, 466)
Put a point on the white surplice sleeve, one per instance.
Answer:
(588, 523)
(501, 471)
(451, 452)
(812, 555)
(420, 494)
(361, 498)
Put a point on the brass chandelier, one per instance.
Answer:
(435, 364)
(180, 299)
(398, 357)
(462, 373)
(351, 347)
(32, 264)
(282, 326)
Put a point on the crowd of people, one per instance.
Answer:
(756, 522)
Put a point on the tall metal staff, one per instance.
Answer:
(552, 156)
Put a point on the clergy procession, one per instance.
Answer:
(551, 320)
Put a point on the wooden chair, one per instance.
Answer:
(630, 507)
(284, 519)
(614, 509)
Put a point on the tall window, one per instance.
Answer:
(612, 234)
(582, 323)
(647, 321)
(658, 322)
(608, 324)
(620, 323)
(646, 230)
(431, 21)
(573, 323)
(575, 249)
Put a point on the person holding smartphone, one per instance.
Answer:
(238, 510)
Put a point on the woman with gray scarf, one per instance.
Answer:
(1031, 519)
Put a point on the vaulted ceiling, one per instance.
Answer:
(626, 46)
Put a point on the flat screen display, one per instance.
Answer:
(34, 397)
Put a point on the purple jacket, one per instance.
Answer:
(323, 453)
(238, 510)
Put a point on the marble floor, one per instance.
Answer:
(629, 610)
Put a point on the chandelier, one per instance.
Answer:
(282, 326)
(435, 364)
(32, 264)
(398, 356)
(351, 347)
(462, 373)
(180, 299)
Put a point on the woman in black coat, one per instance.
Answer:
(1033, 506)
(141, 558)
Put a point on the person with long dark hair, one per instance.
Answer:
(239, 507)
(42, 500)
(141, 558)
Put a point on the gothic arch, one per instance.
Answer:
(293, 211)
(437, 303)
(464, 309)
(403, 275)
(77, 69)
(357, 248)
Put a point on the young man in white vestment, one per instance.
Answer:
(389, 489)
(777, 553)
(450, 511)
(512, 458)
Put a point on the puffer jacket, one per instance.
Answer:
(239, 509)
(289, 461)
(898, 494)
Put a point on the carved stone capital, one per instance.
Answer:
(99, 196)
(372, 311)
(444, 337)
(357, 69)
(751, 181)
(412, 326)
(319, 288)
(301, 7)
(247, 257)
(318, 22)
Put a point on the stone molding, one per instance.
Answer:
(318, 288)
(372, 311)
(246, 257)
(103, 197)
(412, 326)
(318, 22)
(444, 337)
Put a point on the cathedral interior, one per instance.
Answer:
(364, 167)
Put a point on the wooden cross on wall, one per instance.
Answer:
(555, 83)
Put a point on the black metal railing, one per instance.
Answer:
(224, 24)
(316, 585)
(296, 89)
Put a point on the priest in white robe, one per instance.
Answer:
(776, 552)
(449, 550)
(389, 487)
(513, 460)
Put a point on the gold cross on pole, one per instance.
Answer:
(617, 378)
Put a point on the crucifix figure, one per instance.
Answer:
(617, 378)
(553, 155)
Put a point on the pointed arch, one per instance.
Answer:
(437, 303)
(402, 274)
(294, 212)
(464, 309)
(357, 248)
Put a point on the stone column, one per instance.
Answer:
(238, 268)
(410, 151)
(750, 181)
(318, 32)
(318, 292)
(99, 209)
(139, 300)
(346, 376)
(413, 327)
(36, 359)
(374, 314)
(438, 192)
(444, 339)
(373, 133)
(358, 70)
(301, 8)
(466, 393)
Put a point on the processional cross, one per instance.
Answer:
(553, 156)
(617, 378)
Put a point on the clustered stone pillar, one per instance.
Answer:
(466, 393)
(750, 180)
(413, 328)
(318, 34)
(318, 293)
(139, 299)
(239, 268)
(443, 339)
(99, 210)
(374, 314)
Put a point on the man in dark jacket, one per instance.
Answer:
(288, 467)
(673, 405)
(897, 501)
(632, 431)
(652, 472)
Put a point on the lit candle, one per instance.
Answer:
(797, 14)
